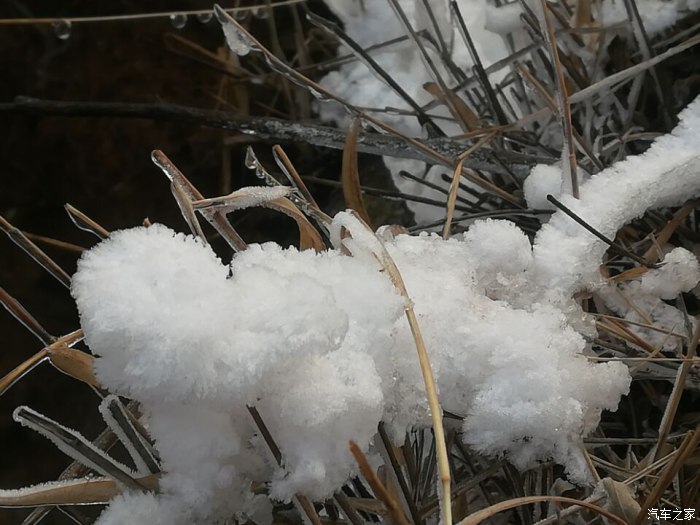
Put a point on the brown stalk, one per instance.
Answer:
(56, 243)
(452, 200)
(308, 235)
(685, 449)
(350, 176)
(430, 387)
(309, 238)
(464, 114)
(395, 512)
(286, 165)
(652, 254)
(21, 370)
(454, 185)
(20, 313)
(184, 202)
(675, 398)
(215, 218)
(72, 362)
(491, 511)
(303, 502)
(564, 106)
(35, 252)
(616, 327)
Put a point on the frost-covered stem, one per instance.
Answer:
(569, 150)
(84, 491)
(430, 387)
(435, 413)
(685, 449)
(678, 388)
(22, 369)
(392, 144)
(36, 253)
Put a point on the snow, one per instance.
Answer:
(543, 180)
(566, 256)
(318, 343)
(680, 273)
(656, 15)
(641, 300)
(355, 83)
(488, 26)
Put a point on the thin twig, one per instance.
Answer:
(36, 253)
(619, 249)
(395, 511)
(564, 107)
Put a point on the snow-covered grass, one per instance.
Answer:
(252, 376)
(318, 344)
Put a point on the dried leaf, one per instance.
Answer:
(308, 235)
(620, 499)
(395, 512)
(79, 492)
(247, 197)
(75, 363)
(452, 100)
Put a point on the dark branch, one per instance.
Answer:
(268, 129)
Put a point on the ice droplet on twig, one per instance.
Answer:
(261, 12)
(241, 14)
(238, 41)
(205, 18)
(62, 29)
(178, 20)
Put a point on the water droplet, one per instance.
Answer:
(205, 18)
(261, 12)
(241, 14)
(178, 20)
(239, 42)
(237, 39)
(62, 29)
(318, 95)
(251, 161)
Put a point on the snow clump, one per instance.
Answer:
(318, 343)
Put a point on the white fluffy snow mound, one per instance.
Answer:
(318, 343)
